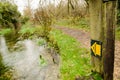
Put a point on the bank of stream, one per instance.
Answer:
(29, 61)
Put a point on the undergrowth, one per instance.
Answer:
(5, 74)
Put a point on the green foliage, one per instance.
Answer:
(42, 61)
(29, 31)
(2, 66)
(24, 19)
(96, 76)
(117, 33)
(75, 60)
(6, 32)
(41, 42)
(9, 16)
(26, 31)
(4, 75)
(9, 21)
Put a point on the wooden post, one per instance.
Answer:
(110, 23)
(97, 30)
(102, 22)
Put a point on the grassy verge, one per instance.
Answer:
(75, 60)
(79, 24)
(82, 24)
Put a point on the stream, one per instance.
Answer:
(29, 61)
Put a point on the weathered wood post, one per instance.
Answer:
(110, 23)
(102, 22)
(97, 32)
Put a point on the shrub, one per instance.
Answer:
(9, 15)
(44, 18)
(24, 19)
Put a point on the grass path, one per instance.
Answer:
(84, 38)
(75, 60)
(80, 35)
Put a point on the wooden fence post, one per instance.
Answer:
(102, 23)
(110, 23)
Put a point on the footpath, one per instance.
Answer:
(84, 38)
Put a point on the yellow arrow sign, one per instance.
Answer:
(96, 48)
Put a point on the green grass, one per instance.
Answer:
(30, 31)
(5, 31)
(79, 24)
(117, 34)
(75, 60)
(82, 24)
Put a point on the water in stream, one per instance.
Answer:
(25, 62)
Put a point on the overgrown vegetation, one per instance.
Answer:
(28, 30)
(9, 25)
(5, 74)
(43, 18)
(10, 21)
(9, 16)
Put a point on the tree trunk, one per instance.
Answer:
(102, 22)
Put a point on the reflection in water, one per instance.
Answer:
(25, 63)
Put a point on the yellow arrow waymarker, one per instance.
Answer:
(96, 48)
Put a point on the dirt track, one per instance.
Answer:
(84, 38)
